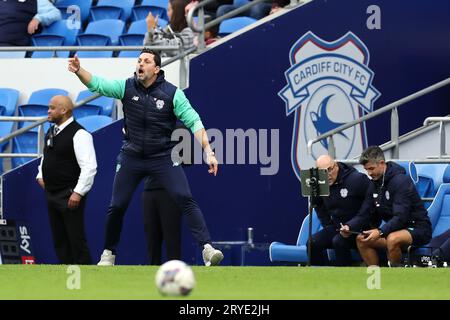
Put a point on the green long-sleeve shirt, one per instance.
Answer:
(181, 106)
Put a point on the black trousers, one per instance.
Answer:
(130, 172)
(67, 228)
(162, 222)
(329, 238)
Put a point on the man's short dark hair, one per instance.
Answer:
(372, 154)
(156, 56)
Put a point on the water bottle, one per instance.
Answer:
(250, 235)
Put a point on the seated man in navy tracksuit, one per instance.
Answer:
(346, 209)
(397, 202)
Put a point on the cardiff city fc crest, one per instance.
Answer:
(329, 84)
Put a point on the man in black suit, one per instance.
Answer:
(66, 173)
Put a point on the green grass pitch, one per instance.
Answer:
(225, 283)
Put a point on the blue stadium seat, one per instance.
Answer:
(37, 105)
(105, 104)
(46, 41)
(240, 3)
(83, 5)
(430, 178)
(100, 33)
(52, 35)
(8, 101)
(410, 169)
(5, 129)
(141, 12)
(86, 111)
(25, 143)
(233, 24)
(105, 12)
(295, 253)
(137, 27)
(135, 37)
(93, 123)
(45, 95)
(438, 211)
(112, 9)
(159, 3)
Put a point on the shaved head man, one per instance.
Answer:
(66, 173)
(60, 109)
(346, 209)
(329, 164)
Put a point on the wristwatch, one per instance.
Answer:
(381, 232)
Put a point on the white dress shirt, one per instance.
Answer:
(83, 146)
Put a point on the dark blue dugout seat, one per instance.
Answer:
(234, 24)
(74, 9)
(59, 33)
(100, 33)
(93, 123)
(430, 178)
(297, 253)
(8, 101)
(439, 211)
(104, 104)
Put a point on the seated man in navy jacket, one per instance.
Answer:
(346, 209)
(397, 202)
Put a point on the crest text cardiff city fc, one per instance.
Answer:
(328, 84)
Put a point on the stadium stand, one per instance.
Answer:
(100, 33)
(68, 8)
(57, 34)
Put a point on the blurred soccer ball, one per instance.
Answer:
(175, 278)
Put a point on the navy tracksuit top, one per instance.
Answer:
(349, 201)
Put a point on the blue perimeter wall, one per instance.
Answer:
(235, 85)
